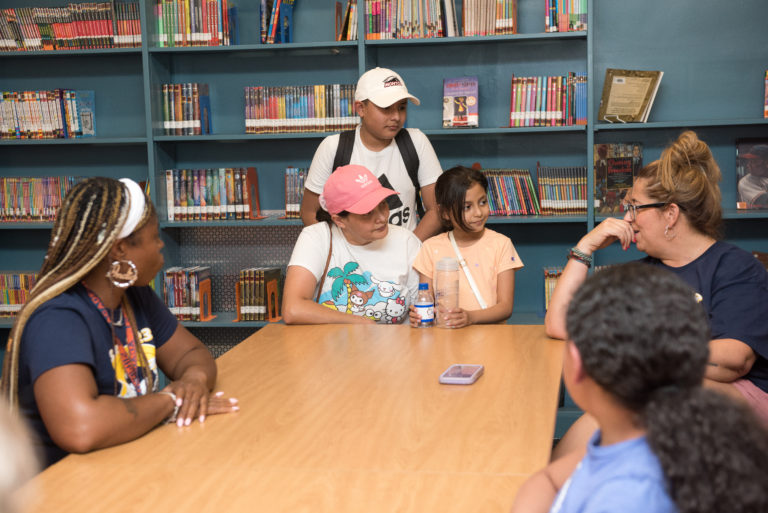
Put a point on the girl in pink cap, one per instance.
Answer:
(352, 266)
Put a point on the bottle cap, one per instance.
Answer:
(423, 286)
(447, 264)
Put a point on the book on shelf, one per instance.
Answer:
(73, 27)
(551, 275)
(294, 191)
(212, 194)
(257, 291)
(194, 23)
(15, 288)
(562, 190)
(615, 167)
(33, 198)
(511, 192)
(346, 24)
(51, 114)
(307, 108)
(460, 102)
(628, 95)
(187, 292)
(752, 173)
(548, 100)
(765, 101)
(186, 109)
(565, 16)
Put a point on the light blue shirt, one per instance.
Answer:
(625, 477)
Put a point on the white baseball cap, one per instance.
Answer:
(383, 87)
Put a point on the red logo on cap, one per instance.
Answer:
(392, 81)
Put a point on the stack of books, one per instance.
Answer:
(511, 192)
(75, 27)
(33, 199)
(53, 114)
(562, 190)
(294, 191)
(258, 294)
(195, 23)
(187, 292)
(565, 15)
(186, 109)
(14, 291)
(291, 109)
(549, 101)
(212, 194)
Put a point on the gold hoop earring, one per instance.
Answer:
(669, 234)
(122, 279)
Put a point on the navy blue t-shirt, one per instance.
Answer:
(69, 329)
(733, 287)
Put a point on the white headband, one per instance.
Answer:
(136, 204)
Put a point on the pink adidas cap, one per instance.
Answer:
(353, 188)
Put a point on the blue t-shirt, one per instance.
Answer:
(625, 477)
(69, 329)
(733, 287)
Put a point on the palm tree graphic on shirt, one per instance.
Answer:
(344, 279)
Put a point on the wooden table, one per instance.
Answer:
(341, 419)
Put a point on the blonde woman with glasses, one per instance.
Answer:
(674, 215)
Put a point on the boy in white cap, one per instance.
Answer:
(402, 159)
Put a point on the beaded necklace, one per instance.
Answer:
(123, 340)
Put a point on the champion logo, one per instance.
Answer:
(392, 81)
(363, 181)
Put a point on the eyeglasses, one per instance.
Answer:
(632, 209)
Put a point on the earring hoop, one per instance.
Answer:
(668, 235)
(122, 279)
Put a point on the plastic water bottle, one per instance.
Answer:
(446, 287)
(425, 306)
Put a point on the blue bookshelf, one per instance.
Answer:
(711, 84)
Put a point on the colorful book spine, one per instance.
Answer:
(78, 26)
(294, 191)
(35, 199)
(294, 109)
(186, 109)
(15, 289)
(211, 194)
(61, 113)
(562, 190)
(548, 101)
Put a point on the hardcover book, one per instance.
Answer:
(460, 102)
(752, 174)
(628, 95)
(615, 167)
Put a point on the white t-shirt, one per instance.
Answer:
(387, 165)
(380, 282)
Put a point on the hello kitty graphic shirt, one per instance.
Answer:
(375, 280)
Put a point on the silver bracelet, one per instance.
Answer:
(172, 416)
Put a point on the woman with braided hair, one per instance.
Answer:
(82, 359)
(636, 353)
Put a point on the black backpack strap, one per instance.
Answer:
(344, 150)
(411, 160)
